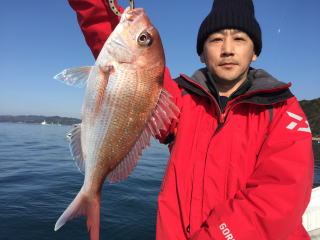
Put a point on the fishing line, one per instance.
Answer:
(131, 4)
(115, 10)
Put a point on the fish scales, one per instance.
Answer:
(129, 101)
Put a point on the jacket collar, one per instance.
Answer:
(257, 80)
(260, 87)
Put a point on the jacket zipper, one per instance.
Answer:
(209, 95)
(221, 120)
(221, 115)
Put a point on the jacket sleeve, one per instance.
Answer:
(277, 193)
(96, 21)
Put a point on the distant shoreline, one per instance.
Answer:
(50, 124)
(38, 119)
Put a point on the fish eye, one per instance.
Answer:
(145, 39)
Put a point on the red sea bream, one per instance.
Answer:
(124, 106)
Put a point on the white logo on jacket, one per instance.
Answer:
(293, 124)
(226, 232)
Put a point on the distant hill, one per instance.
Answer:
(39, 119)
(312, 110)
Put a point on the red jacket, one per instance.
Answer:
(243, 174)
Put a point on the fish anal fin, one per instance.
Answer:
(74, 137)
(74, 76)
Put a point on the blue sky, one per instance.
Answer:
(40, 38)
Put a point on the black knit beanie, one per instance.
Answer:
(231, 14)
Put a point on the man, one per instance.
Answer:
(241, 164)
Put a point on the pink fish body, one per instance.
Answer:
(124, 106)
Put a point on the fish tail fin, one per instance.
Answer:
(93, 218)
(83, 205)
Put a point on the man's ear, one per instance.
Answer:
(254, 58)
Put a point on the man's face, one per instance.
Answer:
(228, 54)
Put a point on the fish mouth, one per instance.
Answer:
(131, 15)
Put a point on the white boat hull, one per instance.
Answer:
(311, 217)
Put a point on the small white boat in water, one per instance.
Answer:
(311, 217)
(44, 122)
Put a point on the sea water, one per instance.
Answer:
(38, 180)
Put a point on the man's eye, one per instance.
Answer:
(239, 39)
(216, 39)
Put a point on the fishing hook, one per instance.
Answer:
(115, 10)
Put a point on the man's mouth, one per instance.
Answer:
(228, 64)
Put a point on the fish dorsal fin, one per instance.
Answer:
(75, 147)
(74, 76)
(160, 119)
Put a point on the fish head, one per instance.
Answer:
(135, 41)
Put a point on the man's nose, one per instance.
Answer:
(227, 48)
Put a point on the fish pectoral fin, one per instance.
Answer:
(160, 120)
(162, 115)
(74, 76)
(74, 137)
(106, 67)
